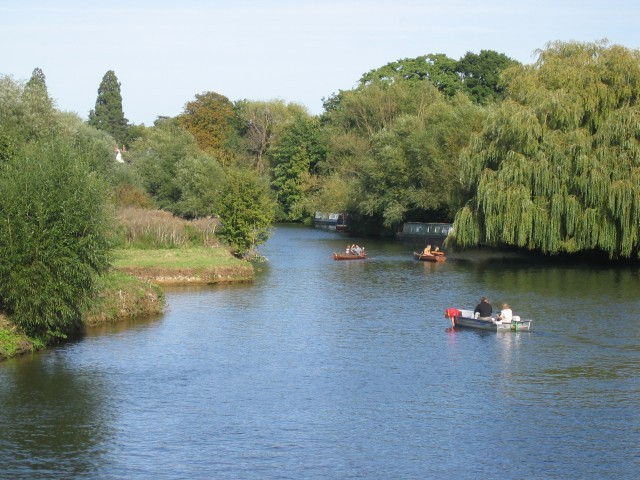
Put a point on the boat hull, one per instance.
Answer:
(429, 258)
(348, 256)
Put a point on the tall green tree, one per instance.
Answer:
(108, 114)
(26, 113)
(246, 210)
(37, 80)
(297, 154)
(557, 166)
(37, 97)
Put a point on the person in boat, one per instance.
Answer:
(506, 314)
(347, 250)
(427, 250)
(483, 309)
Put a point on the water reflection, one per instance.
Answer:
(54, 420)
(125, 326)
(324, 369)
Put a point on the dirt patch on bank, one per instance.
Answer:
(192, 276)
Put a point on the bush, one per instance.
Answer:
(54, 236)
(246, 211)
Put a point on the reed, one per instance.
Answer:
(142, 228)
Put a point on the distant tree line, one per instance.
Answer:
(542, 157)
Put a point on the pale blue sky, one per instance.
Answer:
(165, 52)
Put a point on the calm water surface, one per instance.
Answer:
(335, 370)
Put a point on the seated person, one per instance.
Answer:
(427, 250)
(506, 314)
(484, 309)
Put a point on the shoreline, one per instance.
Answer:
(130, 290)
(192, 276)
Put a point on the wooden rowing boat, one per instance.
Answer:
(348, 256)
(430, 257)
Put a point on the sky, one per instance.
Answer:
(165, 52)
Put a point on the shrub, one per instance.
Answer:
(53, 236)
(246, 211)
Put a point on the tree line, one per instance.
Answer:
(542, 157)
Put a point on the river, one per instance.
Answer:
(339, 370)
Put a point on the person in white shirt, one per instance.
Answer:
(506, 314)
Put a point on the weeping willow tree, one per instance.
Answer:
(557, 167)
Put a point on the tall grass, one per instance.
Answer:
(141, 228)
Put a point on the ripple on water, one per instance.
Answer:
(325, 369)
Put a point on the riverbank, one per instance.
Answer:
(134, 288)
(191, 266)
(119, 296)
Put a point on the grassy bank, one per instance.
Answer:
(119, 295)
(184, 266)
(13, 341)
(133, 289)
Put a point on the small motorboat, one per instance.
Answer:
(349, 256)
(467, 319)
(430, 257)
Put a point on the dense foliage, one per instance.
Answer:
(260, 125)
(208, 119)
(54, 237)
(542, 156)
(246, 210)
(394, 150)
(156, 156)
(480, 75)
(477, 75)
(297, 154)
(557, 167)
(54, 231)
